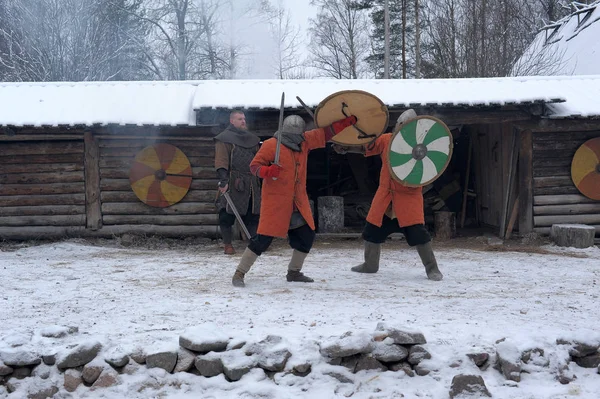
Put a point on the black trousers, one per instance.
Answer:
(250, 220)
(416, 234)
(301, 239)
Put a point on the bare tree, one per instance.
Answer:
(339, 39)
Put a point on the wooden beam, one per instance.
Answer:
(43, 220)
(129, 196)
(569, 209)
(170, 220)
(92, 182)
(549, 220)
(42, 200)
(36, 210)
(526, 182)
(45, 177)
(562, 199)
(560, 125)
(139, 208)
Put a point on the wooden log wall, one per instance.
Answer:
(194, 214)
(42, 185)
(556, 200)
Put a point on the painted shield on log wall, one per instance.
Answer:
(585, 169)
(420, 151)
(161, 175)
(371, 114)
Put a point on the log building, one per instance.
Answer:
(66, 150)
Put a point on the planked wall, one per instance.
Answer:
(555, 197)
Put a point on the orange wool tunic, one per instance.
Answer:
(280, 196)
(407, 202)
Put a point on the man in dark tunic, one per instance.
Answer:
(235, 147)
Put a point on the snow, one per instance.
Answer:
(138, 297)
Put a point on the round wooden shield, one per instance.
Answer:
(420, 151)
(161, 175)
(371, 114)
(585, 169)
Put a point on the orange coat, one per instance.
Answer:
(280, 196)
(407, 202)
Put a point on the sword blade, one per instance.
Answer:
(236, 213)
(277, 149)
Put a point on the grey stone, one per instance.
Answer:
(213, 341)
(368, 362)
(331, 214)
(421, 370)
(508, 361)
(265, 344)
(42, 391)
(236, 364)
(417, 354)
(4, 369)
(302, 369)
(165, 360)
(588, 362)
(401, 337)
(138, 356)
(389, 353)
(42, 371)
(185, 360)
(479, 358)
(350, 362)
(21, 372)
(347, 345)
(468, 385)
(49, 359)
(579, 349)
(528, 354)
(402, 366)
(92, 371)
(274, 360)
(73, 380)
(341, 377)
(117, 361)
(20, 358)
(336, 361)
(209, 365)
(108, 378)
(565, 376)
(79, 356)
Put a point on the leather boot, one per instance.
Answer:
(227, 234)
(428, 259)
(248, 259)
(372, 255)
(296, 263)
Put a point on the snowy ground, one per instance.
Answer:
(144, 295)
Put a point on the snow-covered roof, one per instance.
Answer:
(263, 94)
(89, 103)
(174, 103)
(569, 46)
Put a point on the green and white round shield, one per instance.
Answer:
(420, 151)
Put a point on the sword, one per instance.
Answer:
(237, 215)
(312, 115)
(278, 148)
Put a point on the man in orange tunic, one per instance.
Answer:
(395, 208)
(285, 210)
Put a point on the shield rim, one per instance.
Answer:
(389, 147)
(337, 93)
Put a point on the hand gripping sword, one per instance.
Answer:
(236, 213)
(278, 148)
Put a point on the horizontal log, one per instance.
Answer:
(39, 168)
(47, 177)
(148, 141)
(41, 137)
(543, 221)
(571, 209)
(562, 199)
(42, 210)
(199, 172)
(567, 145)
(36, 189)
(546, 230)
(551, 181)
(552, 155)
(57, 232)
(42, 159)
(53, 220)
(129, 196)
(124, 185)
(552, 171)
(559, 136)
(552, 162)
(40, 200)
(169, 220)
(126, 162)
(118, 131)
(41, 148)
(131, 152)
(139, 208)
(556, 190)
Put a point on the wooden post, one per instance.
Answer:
(463, 213)
(513, 219)
(93, 210)
(445, 225)
(526, 182)
(512, 172)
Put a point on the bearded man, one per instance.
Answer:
(234, 149)
(285, 209)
